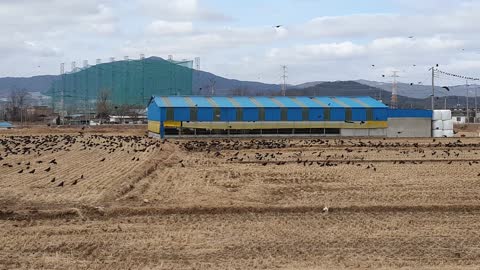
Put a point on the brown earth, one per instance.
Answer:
(468, 130)
(130, 202)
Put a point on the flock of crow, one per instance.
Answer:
(232, 144)
(310, 152)
(37, 154)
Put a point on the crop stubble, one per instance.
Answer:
(393, 204)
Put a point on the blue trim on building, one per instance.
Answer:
(380, 114)
(154, 112)
(182, 114)
(409, 113)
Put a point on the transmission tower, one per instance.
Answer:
(197, 63)
(394, 101)
(284, 77)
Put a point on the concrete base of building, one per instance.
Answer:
(409, 128)
(246, 136)
(154, 135)
(367, 132)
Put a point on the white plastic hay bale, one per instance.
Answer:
(437, 125)
(448, 133)
(448, 124)
(446, 115)
(437, 115)
(437, 133)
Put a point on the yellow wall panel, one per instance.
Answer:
(154, 126)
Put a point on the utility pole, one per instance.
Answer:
(62, 101)
(468, 113)
(433, 88)
(284, 77)
(394, 101)
(213, 82)
(86, 111)
(476, 106)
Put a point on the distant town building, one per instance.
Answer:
(5, 125)
(39, 113)
(459, 116)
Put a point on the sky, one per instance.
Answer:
(319, 40)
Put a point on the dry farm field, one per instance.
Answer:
(112, 198)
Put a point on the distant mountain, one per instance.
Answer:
(31, 84)
(308, 84)
(353, 88)
(205, 82)
(338, 88)
(421, 91)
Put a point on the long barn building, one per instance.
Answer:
(228, 116)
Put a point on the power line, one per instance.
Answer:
(457, 76)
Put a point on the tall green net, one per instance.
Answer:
(130, 82)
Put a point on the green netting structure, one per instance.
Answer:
(129, 82)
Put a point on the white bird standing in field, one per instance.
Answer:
(325, 209)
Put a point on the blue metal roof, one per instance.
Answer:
(5, 125)
(267, 102)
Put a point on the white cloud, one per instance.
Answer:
(179, 10)
(39, 16)
(281, 32)
(40, 50)
(160, 27)
(461, 20)
(418, 44)
(349, 60)
(41, 28)
(49, 32)
(181, 38)
(333, 50)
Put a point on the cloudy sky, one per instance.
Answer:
(318, 40)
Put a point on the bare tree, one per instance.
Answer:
(3, 111)
(135, 112)
(103, 104)
(17, 104)
(122, 111)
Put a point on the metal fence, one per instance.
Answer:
(129, 82)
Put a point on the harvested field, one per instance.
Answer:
(128, 201)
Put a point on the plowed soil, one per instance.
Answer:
(112, 198)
